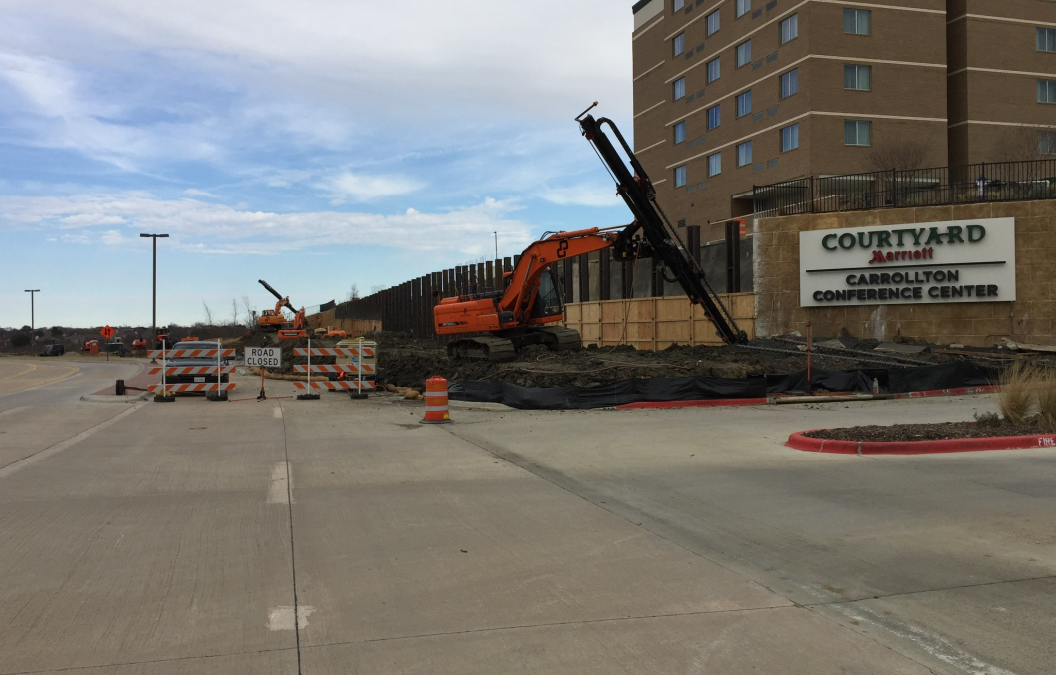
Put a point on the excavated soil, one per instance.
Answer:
(928, 432)
(408, 362)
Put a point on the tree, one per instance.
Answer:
(1024, 144)
(899, 155)
(353, 293)
(21, 339)
(249, 315)
(208, 314)
(234, 312)
(57, 332)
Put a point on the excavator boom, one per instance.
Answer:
(663, 244)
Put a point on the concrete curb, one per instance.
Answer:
(101, 398)
(799, 441)
(784, 399)
(709, 403)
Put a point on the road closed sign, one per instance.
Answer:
(264, 357)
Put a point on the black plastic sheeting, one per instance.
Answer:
(895, 381)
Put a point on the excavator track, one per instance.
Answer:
(564, 339)
(483, 347)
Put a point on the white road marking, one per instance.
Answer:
(277, 412)
(281, 618)
(68, 443)
(933, 644)
(279, 489)
(12, 411)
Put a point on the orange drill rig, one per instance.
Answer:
(275, 320)
(495, 324)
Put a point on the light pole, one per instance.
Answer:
(32, 309)
(154, 294)
(496, 245)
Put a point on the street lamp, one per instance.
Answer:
(154, 302)
(32, 309)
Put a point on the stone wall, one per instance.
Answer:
(1031, 318)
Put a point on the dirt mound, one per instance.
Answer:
(408, 362)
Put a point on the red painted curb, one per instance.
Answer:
(708, 403)
(798, 441)
(962, 391)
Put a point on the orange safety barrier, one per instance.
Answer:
(436, 401)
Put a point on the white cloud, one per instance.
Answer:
(364, 188)
(583, 195)
(217, 228)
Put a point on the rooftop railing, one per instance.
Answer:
(968, 184)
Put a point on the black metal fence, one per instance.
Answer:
(972, 183)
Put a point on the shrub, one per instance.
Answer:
(1046, 396)
(988, 419)
(1016, 400)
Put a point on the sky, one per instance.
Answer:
(316, 145)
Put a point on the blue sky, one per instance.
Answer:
(316, 145)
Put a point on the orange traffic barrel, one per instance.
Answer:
(436, 401)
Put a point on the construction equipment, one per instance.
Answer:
(496, 323)
(276, 321)
(329, 332)
(139, 343)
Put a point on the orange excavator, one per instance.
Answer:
(275, 320)
(493, 325)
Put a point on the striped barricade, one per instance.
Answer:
(355, 376)
(351, 368)
(190, 353)
(364, 352)
(198, 386)
(339, 385)
(192, 370)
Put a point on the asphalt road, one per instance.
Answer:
(344, 537)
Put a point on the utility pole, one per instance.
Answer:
(32, 309)
(154, 294)
(496, 245)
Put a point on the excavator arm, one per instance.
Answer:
(657, 238)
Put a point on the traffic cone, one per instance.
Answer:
(436, 402)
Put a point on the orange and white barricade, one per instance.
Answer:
(202, 374)
(362, 363)
(436, 411)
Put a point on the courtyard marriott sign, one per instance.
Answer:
(953, 261)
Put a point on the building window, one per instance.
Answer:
(1047, 39)
(713, 22)
(790, 83)
(680, 132)
(680, 88)
(744, 104)
(744, 53)
(1046, 91)
(1047, 142)
(714, 117)
(857, 21)
(790, 29)
(680, 44)
(679, 4)
(680, 177)
(790, 138)
(743, 7)
(857, 132)
(857, 77)
(744, 154)
(714, 164)
(713, 70)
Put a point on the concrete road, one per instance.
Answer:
(344, 537)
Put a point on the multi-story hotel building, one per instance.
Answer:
(729, 94)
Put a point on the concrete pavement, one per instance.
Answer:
(187, 537)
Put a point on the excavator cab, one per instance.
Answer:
(548, 299)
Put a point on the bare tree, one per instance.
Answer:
(1024, 144)
(900, 155)
(376, 289)
(234, 312)
(353, 293)
(208, 314)
(249, 314)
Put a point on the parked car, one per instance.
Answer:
(53, 350)
(195, 361)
